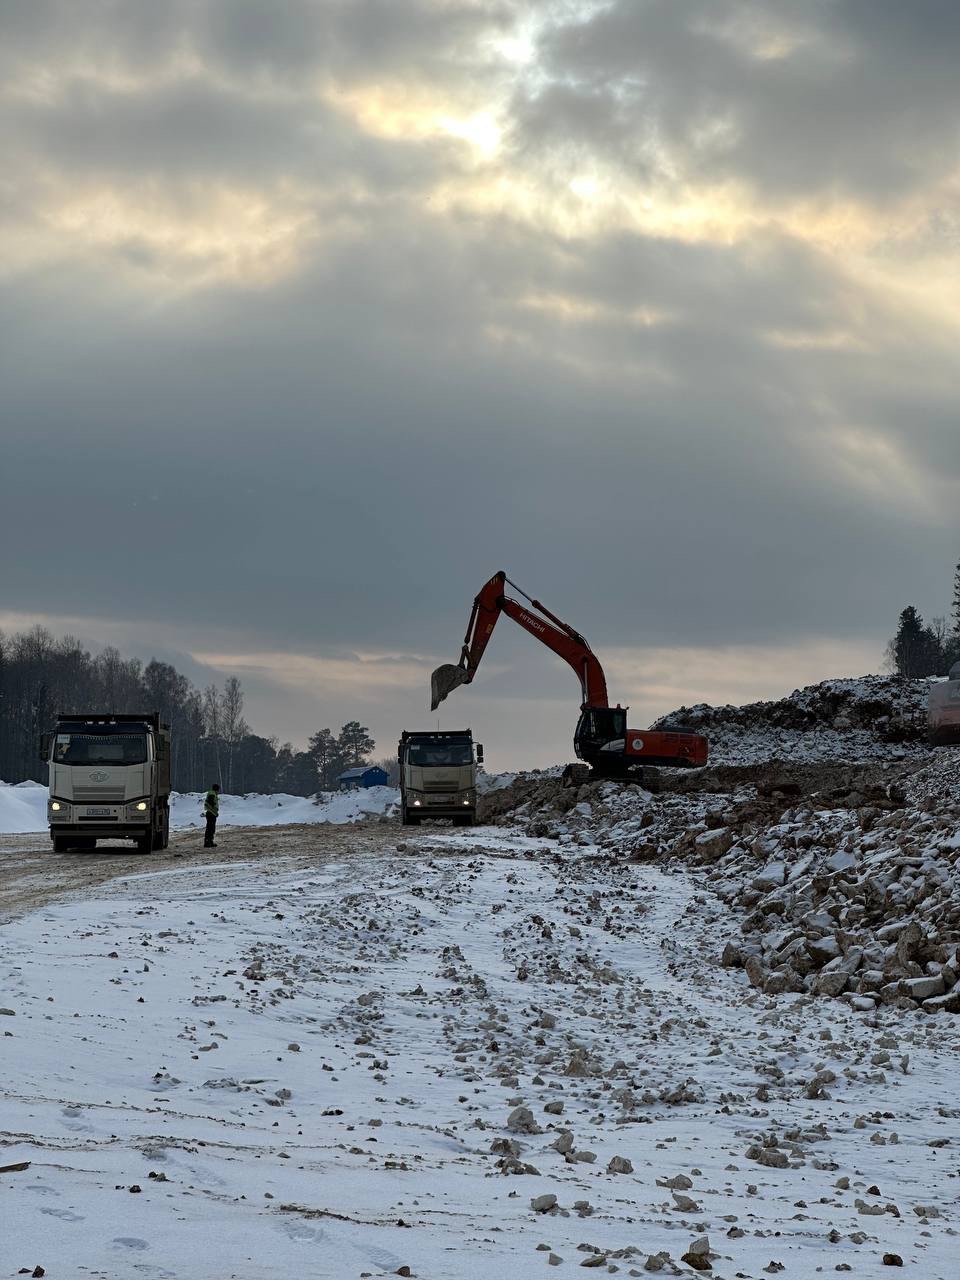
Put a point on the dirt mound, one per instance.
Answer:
(532, 798)
(892, 708)
(871, 717)
(827, 780)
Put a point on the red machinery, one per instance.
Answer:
(602, 739)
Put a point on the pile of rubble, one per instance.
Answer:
(860, 902)
(842, 879)
(871, 717)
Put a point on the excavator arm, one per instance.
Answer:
(602, 739)
(533, 617)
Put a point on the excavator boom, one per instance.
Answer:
(540, 622)
(602, 738)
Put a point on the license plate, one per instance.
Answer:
(98, 813)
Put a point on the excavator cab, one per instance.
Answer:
(600, 729)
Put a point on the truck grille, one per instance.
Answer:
(447, 786)
(98, 795)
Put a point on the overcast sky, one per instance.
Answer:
(315, 313)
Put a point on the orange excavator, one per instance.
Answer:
(602, 740)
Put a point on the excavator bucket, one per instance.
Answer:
(443, 682)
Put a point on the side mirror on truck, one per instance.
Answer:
(43, 750)
(479, 753)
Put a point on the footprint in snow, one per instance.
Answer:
(379, 1257)
(75, 1126)
(301, 1232)
(131, 1242)
(65, 1214)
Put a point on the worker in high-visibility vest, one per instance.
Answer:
(211, 811)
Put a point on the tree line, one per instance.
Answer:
(919, 649)
(42, 676)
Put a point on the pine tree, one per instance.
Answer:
(907, 641)
(355, 743)
(915, 650)
(324, 751)
(296, 771)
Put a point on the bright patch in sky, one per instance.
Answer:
(481, 130)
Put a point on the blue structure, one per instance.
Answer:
(370, 775)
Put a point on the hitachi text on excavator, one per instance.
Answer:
(602, 740)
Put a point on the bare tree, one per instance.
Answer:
(234, 727)
(213, 722)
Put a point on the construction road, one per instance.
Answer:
(34, 876)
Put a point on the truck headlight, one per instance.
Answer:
(56, 806)
(141, 806)
(467, 803)
(416, 804)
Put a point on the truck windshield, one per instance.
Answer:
(91, 748)
(441, 753)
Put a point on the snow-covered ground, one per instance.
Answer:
(713, 1028)
(286, 1068)
(23, 808)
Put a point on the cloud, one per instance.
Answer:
(828, 97)
(314, 315)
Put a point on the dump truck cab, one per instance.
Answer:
(109, 779)
(438, 776)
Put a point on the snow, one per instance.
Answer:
(366, 1049)
(318, 1061)
(186, 809)
(864, 718)
(23, 808)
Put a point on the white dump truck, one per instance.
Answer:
(109, 780)
(943, 709)
(438, 776)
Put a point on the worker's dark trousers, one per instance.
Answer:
(211, 830)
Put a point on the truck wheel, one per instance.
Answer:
(60, 844)
(145, 842)
(408, 819)
(463, 820)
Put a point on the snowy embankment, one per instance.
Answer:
(186, 809)
(866, 718)
(23, 808)
(454, 1067)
